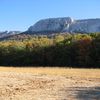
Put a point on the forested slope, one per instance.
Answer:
(78, 50)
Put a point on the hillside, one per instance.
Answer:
(8, 33)
(75, 50)
(53, 26)
(66, 24)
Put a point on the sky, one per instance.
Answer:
(19, 15)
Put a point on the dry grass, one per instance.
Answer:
(70, 72)
(49, 83)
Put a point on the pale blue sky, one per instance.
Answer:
(20, 14)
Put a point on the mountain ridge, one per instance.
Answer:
(4, 34)
(66, 24)
(53, 26)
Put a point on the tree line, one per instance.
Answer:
(69, 50)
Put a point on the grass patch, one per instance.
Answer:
(69, 72)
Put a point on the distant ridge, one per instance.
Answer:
(65, 24)
(8, 33)
(53, 26)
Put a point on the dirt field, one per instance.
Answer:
(49, 84)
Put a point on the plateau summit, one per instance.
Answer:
(65, 24)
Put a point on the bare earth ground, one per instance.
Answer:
(49, 84)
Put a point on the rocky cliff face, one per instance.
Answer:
(66, 24)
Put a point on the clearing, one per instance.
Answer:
(49, 84)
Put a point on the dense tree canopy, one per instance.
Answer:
(78, 50)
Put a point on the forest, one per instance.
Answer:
(63, 50)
